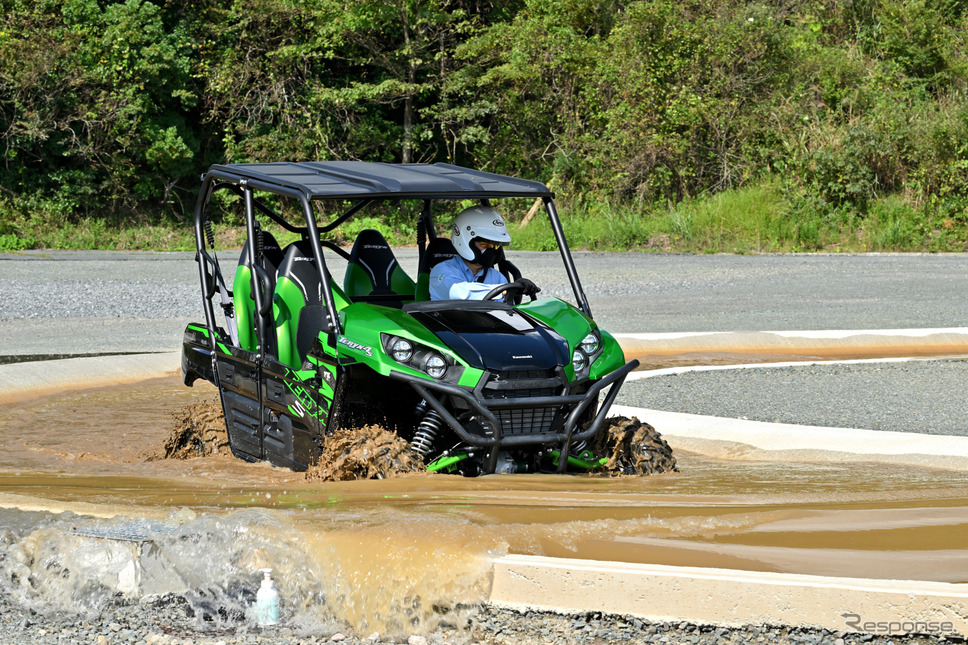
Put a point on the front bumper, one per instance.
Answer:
(569, 408)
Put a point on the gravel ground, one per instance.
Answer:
(168, 621)
(913, 396)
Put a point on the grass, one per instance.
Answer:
(758, 218)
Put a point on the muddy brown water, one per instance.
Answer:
(399, 553)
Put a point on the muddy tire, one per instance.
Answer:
(633, 447)
(199, 431)
(370, 452)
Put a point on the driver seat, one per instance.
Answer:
(438, 250)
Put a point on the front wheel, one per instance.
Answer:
(633, 447)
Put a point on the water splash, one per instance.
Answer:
(325, 580)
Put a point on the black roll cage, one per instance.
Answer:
(357, 181)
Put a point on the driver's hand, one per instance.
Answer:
(528, 288)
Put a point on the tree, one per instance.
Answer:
(95, 104)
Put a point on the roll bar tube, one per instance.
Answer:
(566, 257)
(205, 261)
(250, 185)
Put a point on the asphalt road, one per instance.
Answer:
(131, 302)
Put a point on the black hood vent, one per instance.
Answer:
(492, 335)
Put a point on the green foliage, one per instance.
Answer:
(13, 242)
(663, 124)
(95, 103)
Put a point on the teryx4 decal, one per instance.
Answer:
(343, 340)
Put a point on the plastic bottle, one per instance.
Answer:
(267, 601)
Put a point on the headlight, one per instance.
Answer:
(401, 350)
(436, 366)
(578, 360)
(416, 355)
(590, 344)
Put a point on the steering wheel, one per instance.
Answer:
(514, 292)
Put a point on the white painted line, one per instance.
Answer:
(683, 369)
(835, 334)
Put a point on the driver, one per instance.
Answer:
(479, 234)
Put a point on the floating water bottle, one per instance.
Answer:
(267, 601)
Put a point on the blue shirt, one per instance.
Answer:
(453, 280)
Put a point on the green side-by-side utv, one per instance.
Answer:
(474, 386)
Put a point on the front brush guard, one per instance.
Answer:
(578, 402)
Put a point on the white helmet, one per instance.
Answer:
(474, 222)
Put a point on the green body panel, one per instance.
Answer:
(364, 345)
(287, 303)
(421, 292)
(244, 306)
(306, 398)
(574, 326)
(201, 329)
(611, 358)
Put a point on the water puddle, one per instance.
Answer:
(90, 510)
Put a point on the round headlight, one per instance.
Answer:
(401, 350)
(578, 360)
(436, 366)
(589, 344)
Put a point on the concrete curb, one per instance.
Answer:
(730, 598)
(741, 439)
(23, 381)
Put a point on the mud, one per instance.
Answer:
(198, 431)
(363, 552)
(633, 448)
(370, 452)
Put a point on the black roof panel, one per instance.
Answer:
(360, 179)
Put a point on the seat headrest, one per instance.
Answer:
(439, 249)
(374, 255)
(299, 265)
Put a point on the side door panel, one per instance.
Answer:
(239, 379)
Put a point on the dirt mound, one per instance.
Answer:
(370, 452)
(199, 431)
(633, 448)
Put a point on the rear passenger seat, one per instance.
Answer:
(297, 288)
(243, 300)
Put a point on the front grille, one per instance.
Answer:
(522, 384)
(526, 420)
